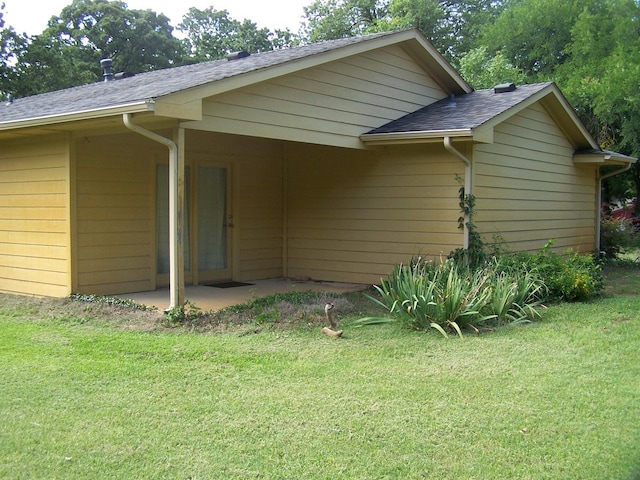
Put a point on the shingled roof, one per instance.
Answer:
(141, 90)
(150, 85)
(462, 112)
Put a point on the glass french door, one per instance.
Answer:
(206, 225)
(212, 219)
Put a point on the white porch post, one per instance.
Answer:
(176, 220)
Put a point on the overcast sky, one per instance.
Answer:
(31, 16)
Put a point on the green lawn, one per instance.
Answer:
(83, 397)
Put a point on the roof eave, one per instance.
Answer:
(427, 136)
(133, 107)
(603, 159)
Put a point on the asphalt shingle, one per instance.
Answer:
(158, 83)
(460, 112)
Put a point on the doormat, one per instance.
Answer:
(228, 284)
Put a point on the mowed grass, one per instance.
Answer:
(85, 399)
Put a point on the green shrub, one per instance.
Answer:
(616, 236)
(569, 277)
(185, 314)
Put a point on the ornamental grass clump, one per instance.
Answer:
(451, 297)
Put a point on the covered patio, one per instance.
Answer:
(212, 298)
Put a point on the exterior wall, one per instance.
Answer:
(257, 206)
(529, 191)
(34, 212)
(116, 207)
(352, 215)
(331, 104)
(115, 227)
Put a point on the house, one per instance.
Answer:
(330, 161)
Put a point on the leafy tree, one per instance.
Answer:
(601, 78)
(332, 19)
(212, 34)
(534, 35)
(482, 70)
(452, 26)
(11, 43)
(69, 50)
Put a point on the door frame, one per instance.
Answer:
(193, 276)
(199, 276)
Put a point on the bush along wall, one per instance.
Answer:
(569, 277)
(484, 285)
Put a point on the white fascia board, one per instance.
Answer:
(134, 107)
(602, 159)
(425, 136)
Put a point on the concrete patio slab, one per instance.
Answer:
(209, 298)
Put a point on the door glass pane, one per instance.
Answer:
(162, 220)
(212, 218)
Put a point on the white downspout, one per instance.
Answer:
(176, 290)
(467, 181)
(599, 201)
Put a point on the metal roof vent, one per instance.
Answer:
(106, 64)
(504, 88)
(237, 55)
(452, 102)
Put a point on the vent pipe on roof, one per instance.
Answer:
(452, 101)
(106, 64)
(238, 55)
(504, 88)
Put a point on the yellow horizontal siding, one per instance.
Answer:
(35, 200)
(34, 230)
(529, 191)
(115, 226)
(353, 215)
(494, 193)
(534, 172)
(97, 252)
(552, 215)
(29, 250)
(330, 104)
(40, 286)
(560, 245)
(400, 246)
(37, 274)
(247, 244)
(371, 214)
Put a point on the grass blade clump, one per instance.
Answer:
(452, 297)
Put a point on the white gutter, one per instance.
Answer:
(176, 260)
(134, 107)
(599, 200)
(467, 181)
(415, 136)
